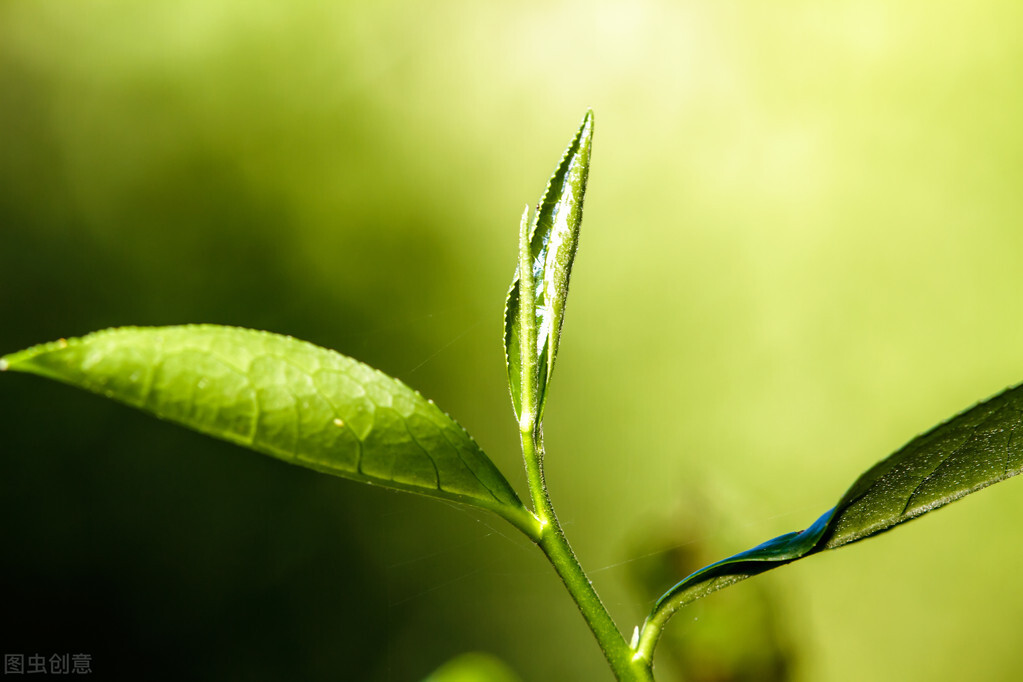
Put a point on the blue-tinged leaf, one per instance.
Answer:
(981, 446)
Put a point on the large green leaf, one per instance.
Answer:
(553, 240)
(981, 446)
(285, 398)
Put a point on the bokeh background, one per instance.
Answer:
(801, 248)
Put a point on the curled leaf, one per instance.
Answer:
(553, 241)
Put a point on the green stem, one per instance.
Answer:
(649, 634)
(551, 538)
(555, 546)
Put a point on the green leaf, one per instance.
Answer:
(474, 666)
(981, 446)
(286, 398)
(553, 240)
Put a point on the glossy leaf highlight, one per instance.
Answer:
(286, 398)
(553, 241)
(981, 446)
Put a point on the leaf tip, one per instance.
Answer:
(587, 125)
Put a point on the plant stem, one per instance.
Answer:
(649, 634)
(551, 538)
(555, 546)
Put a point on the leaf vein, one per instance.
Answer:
(433, 462)
(978, 428)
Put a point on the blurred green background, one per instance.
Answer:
(801, 248)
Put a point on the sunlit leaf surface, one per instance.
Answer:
(283, 397)
(554, 239)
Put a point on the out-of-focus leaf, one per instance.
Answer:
(981, 446)
(473, 667)
(553, 240)
(285, 398)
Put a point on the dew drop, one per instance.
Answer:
(3, 365)
(339, 423)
